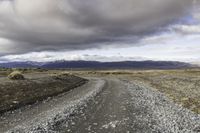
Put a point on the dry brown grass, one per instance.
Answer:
(182, 86)
(16, 75)
(17, 93)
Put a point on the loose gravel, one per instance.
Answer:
(119, 106)
(46, 121)
(170, 117)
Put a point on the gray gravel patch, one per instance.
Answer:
(113, 106)
(170, 117)
(63, 108)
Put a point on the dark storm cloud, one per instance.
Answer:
(76, 24)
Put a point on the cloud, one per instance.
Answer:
(54, 56)
(76, 24)
(188, 29)
(173, 47)
(192, 24)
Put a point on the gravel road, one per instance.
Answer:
(104, 106)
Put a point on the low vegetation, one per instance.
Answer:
(62, 75)
(17, 93)
(181, 86)
(16, 75)
(5, 71)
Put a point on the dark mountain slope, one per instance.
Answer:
(99, 65)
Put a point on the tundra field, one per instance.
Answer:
(182, 86)
(82, 101)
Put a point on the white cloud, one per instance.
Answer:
(173, 47)
(188, 29)
(53, 56)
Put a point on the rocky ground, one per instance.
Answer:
(17, 93)
(105, 105)
(181, 86)
(115, 102)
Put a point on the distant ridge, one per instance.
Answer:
(100, 65)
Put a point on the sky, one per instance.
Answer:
(111, 30)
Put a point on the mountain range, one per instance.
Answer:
(99, 65)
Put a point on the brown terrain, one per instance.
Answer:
(112, 101)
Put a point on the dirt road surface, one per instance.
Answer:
(103, 106)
